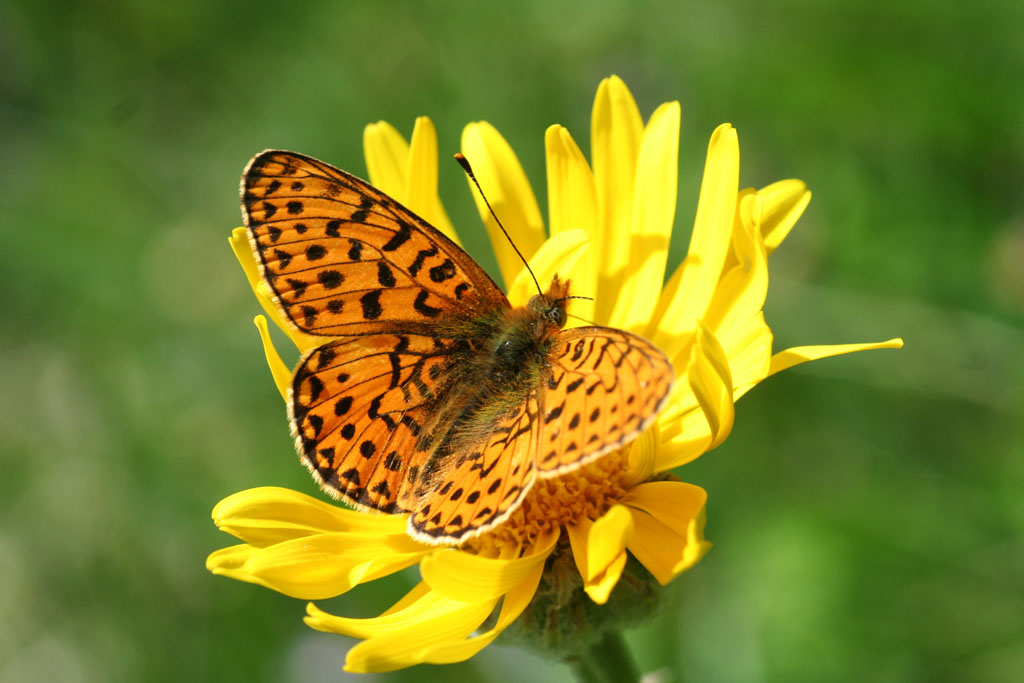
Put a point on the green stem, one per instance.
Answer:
(606, 661)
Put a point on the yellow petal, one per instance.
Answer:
(740, 294)
(674, 503)
(242, 249)
(270, 514)
(699, 412)
(558, 255)
(643, 456)
(421, 178)
(503, 181)
(784, 360)
(596, 544)
(616, 130)
(750, 356)
(784, 203)
(231, 559)
(468, 577)
(683, 438)
(278, 370)
(654, 208)
(572, 205)
(709, 378)
(669, 519)
(600, 587)
(403, 637)
(512, 606)
(686, 300)
(572, 197)
(321, 565)
(387, 155)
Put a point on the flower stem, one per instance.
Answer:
(606, 661)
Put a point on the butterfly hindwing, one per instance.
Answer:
(343, 258)
(485, 483)
(604, 388)
(361, 410)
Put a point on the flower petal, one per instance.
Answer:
(600, 587)
(503, 181)
(750, 357)
(557, 255)
(403, 637)
(643, 455)
(686, 299)
(239, 242)
(387, 155)
(660, 511)
(572, 197)
(227, 561)
(654, 208)
(596, 544)
(784, 203)
(685, 432)
(421, 178)
(278, 370)
(616, 129)
(739, 297)
(572, 204)
(321, 565)
(711, 381)
(269, 514)
(683, 438)
(783, 360)
(459, 575)
(517, 600)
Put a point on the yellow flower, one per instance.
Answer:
(609, 223)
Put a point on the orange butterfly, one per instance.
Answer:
(434, 395)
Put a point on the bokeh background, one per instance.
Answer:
(867, 511)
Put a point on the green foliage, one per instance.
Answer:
(866, 510)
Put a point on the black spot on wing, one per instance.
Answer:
(423, 307)
(330, 279)
(443, 272)
(421, 256)
(371, 305)
(385, 277)
(399, 238)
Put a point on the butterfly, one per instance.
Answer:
(431, 394)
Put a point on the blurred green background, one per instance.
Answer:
(867, 510)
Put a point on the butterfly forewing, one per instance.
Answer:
(344, 258)
(605, 387)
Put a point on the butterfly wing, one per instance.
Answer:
(361, 413)
(484, 484)
(343, 258)
(604, 388)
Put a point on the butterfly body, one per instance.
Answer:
(431, 395)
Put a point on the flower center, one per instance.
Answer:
(558, 502)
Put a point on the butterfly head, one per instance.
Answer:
(549, 307)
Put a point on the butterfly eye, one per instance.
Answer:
(556, 314)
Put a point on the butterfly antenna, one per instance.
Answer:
(589, 322)
(464, 162)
